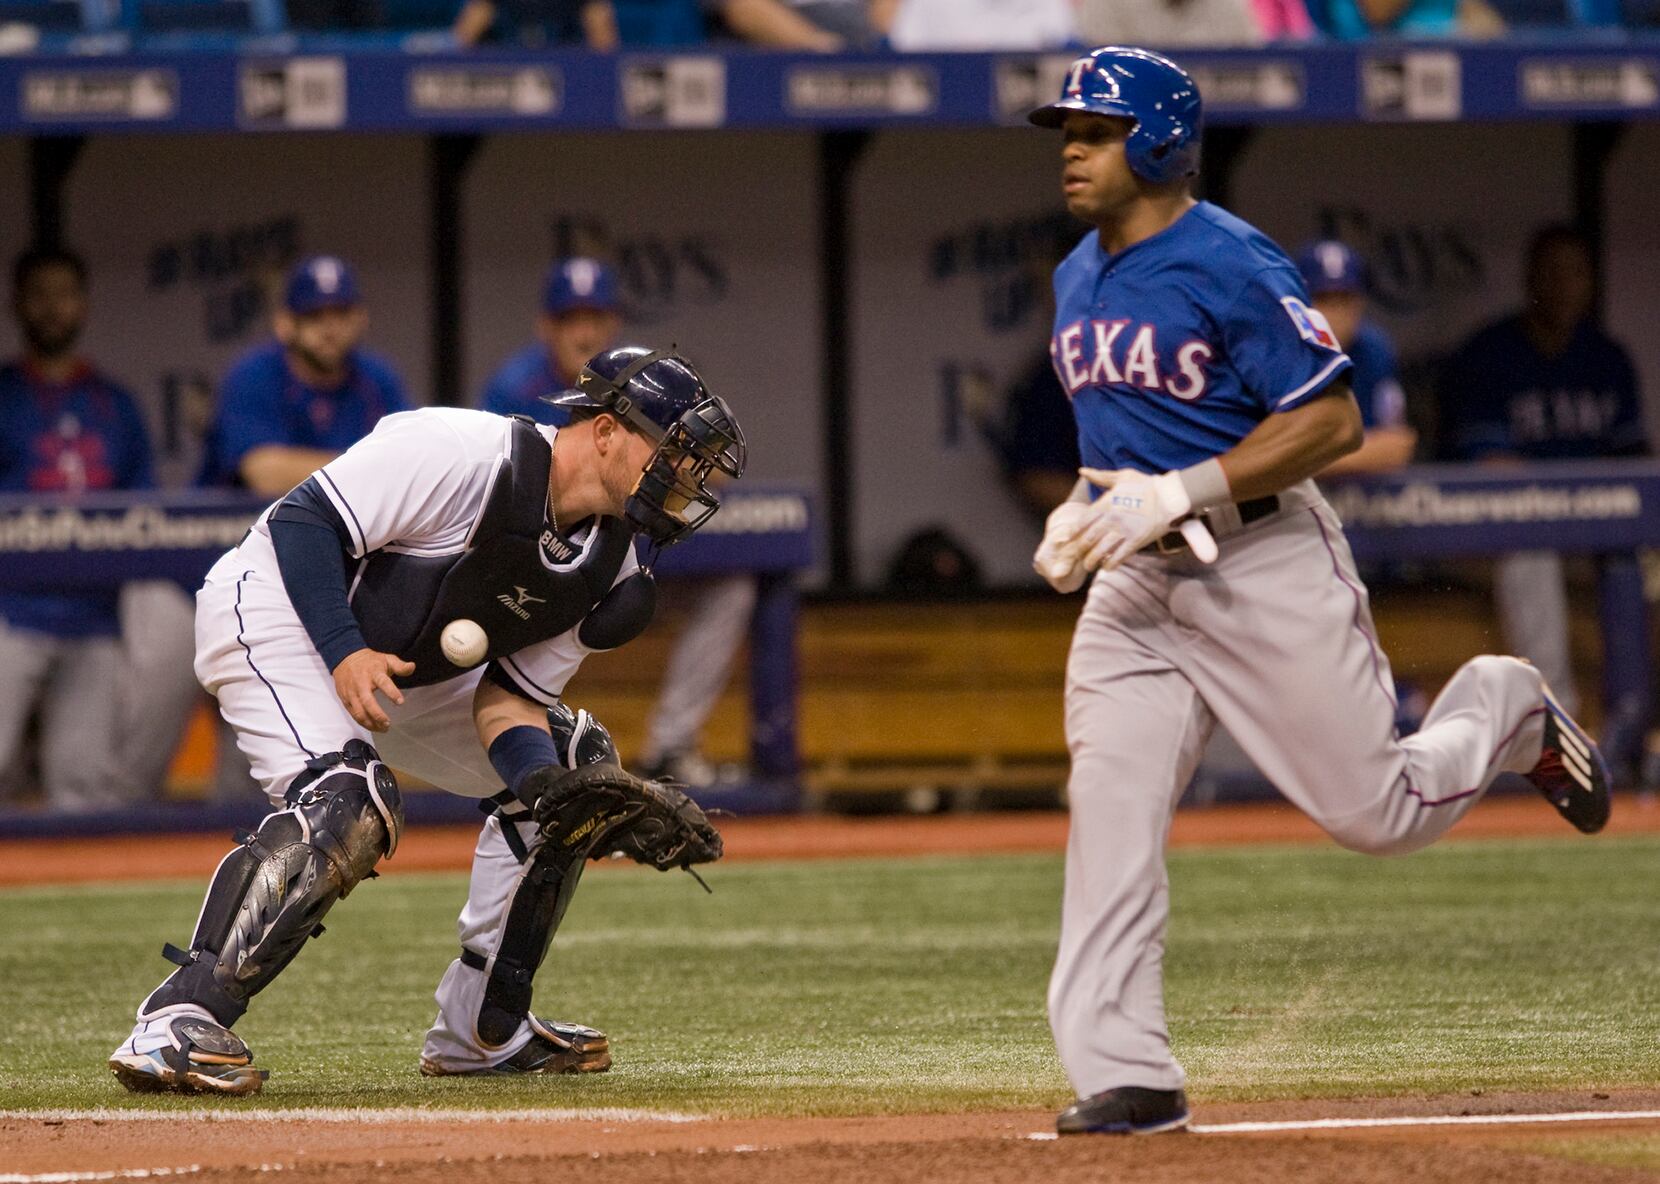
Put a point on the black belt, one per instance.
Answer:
(1254, 510)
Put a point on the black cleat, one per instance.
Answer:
(1127, 1110)
(553, 1048)
(1571, 773)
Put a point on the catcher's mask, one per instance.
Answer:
(659, 394)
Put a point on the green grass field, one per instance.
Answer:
(895, 985)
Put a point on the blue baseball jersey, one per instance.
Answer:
(1375, 380)
(1175, 348)
(1499, 395)
(517, 387)
(262, 402)
(67, 438)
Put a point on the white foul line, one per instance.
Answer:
(74, 1177)
(1345, 1124)
(1340, 1124)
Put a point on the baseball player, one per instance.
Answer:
(581, 315)
(288, 407)
(1207, 392)
(1544, 383)
(420, 602)
(65, 429)
(1335, 276)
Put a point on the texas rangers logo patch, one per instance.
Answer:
(1311, 323)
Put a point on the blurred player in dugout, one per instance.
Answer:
(1336, 279)
(285, 409)
(1545, 383)
(65, 429)
(581, 316)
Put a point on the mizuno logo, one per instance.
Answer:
(515, 604)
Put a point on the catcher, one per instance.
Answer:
(420, 602)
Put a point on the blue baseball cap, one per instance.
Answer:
(1331, 266)
(318, 282)
(580, 282)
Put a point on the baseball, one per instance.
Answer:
(464, 642)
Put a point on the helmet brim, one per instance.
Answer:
(1054, 115)
(571, 398)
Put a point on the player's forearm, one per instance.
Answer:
(515, 734)
(473, 22)
(599, 25)
(767, 22)
(1384, 451)
(271, 470)
(882, 13)
(496, 709)
(1382, 14)
(1292, 445)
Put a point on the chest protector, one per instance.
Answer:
(402, 602)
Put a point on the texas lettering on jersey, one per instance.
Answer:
(1096, 353)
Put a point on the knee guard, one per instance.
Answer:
(580, 738)
(342, 815)
(544, 890)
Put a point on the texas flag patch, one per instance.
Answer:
(1311, 324)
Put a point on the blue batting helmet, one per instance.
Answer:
(1143, 86)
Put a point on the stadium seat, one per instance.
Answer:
(660, 22)
(421, 14)
(204, 16)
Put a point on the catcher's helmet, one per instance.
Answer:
(660, 395)
(1143, 86)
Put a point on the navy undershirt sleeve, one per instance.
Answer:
(312, 544)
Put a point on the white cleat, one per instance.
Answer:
(184, 1050)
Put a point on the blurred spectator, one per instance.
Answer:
(1037, 440)
(289, 407)
(65, 429)
(924, 25)
(580, 317)
(1168, 23)
(1283, 20)
(537, 23)
(822, 25)
(1356, 20)
(1336, 279)
(1543, 384)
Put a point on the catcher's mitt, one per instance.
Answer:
(601, 809)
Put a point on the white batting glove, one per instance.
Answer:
(1058, 558)
(1136, 509)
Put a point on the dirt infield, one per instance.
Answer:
(449, 848)
(215, 1145)
(223, 1143)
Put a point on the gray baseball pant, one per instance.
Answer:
(73, 681)
(1276, 643)
(1531, 592)
(699, 664)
